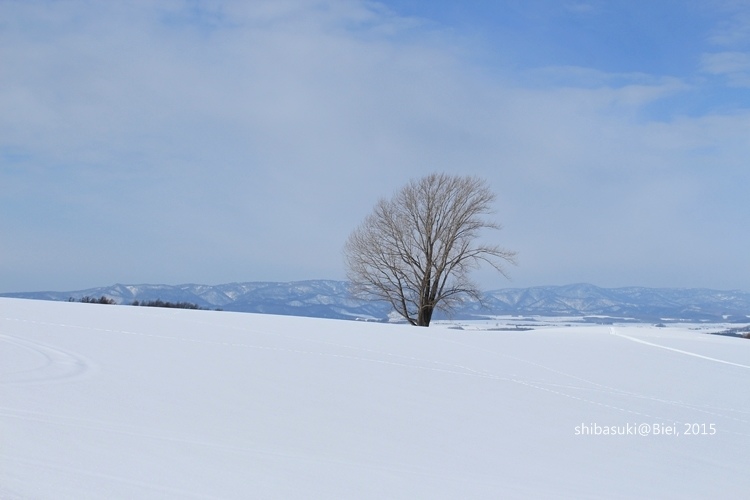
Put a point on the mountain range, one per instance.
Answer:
(331, 299)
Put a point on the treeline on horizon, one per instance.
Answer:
(145, 303)
(743, 332)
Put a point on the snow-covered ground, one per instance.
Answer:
(125, 402)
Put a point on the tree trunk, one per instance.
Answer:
(425, 315)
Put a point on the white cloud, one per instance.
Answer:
(245, 143)
(732, 37)
(734, 65)
(733, 30)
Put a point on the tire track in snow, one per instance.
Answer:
(413, 362)
(448, 368)
(56, 365)
(546, 386)
(465, 370)
(688, 353)
(445, 367)
(551, 388)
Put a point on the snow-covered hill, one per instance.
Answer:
(313, 298)
(130, 402)
(649, 304)
(331, 299)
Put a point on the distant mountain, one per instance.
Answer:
(331, 299)
(638, 303)
(315, 298)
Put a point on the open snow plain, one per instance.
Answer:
(124, 402)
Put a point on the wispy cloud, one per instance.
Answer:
(735, 66)
(732, 37)
(179, 141)
(733, 31)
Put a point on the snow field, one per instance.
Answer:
(104, 401)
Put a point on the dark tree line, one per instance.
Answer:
(146, 303)
(162, 303)
(93, 300)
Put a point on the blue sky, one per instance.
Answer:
(215, 141)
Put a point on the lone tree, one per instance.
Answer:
(416, 249)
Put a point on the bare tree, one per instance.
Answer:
(416, 249)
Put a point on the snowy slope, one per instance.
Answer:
(124, 402)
